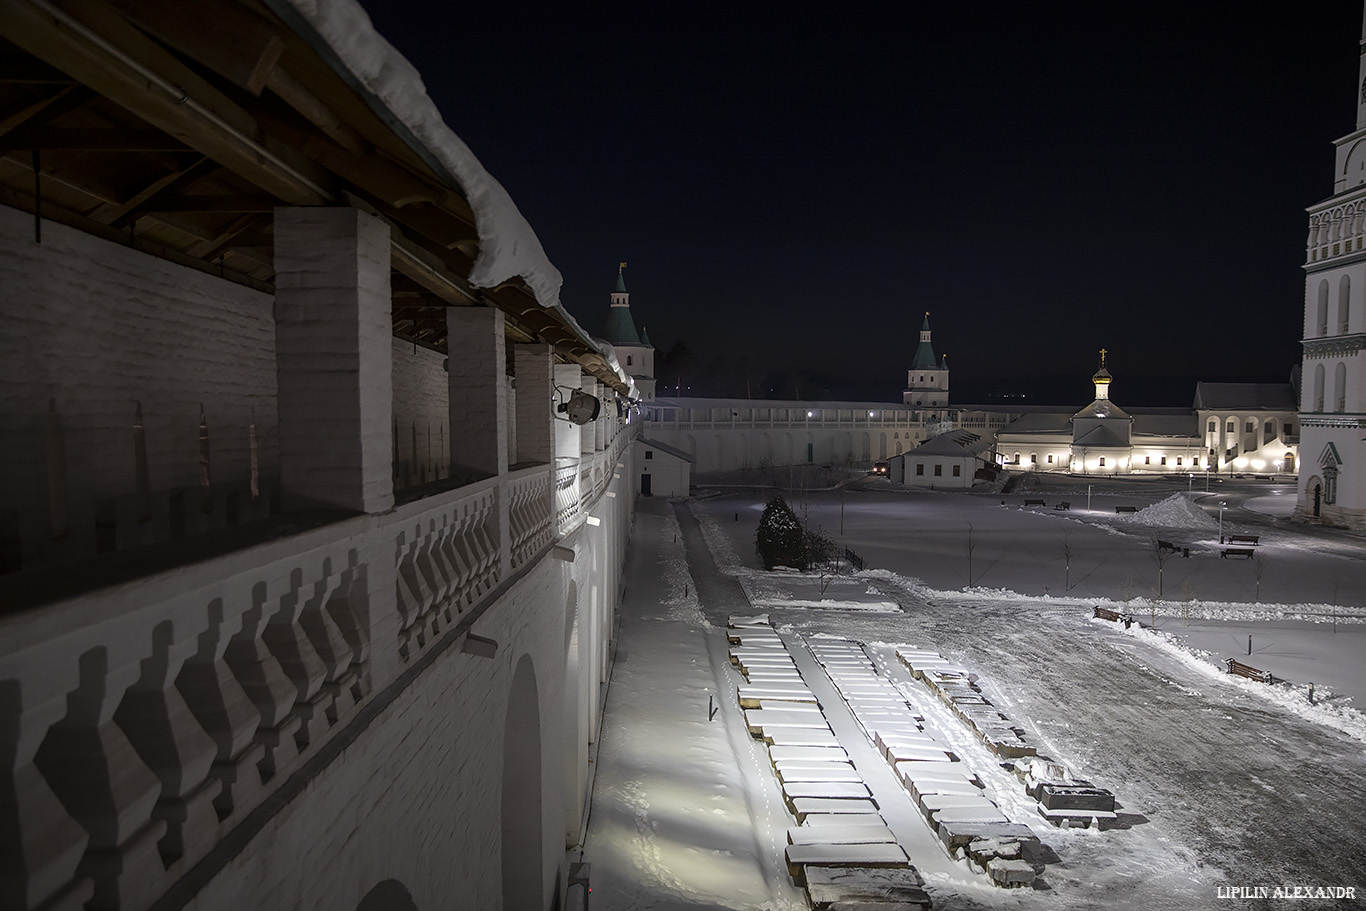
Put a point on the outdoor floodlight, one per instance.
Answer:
(581, 407)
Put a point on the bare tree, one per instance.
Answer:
(1067, 554)
(1258, 571)
(1187, 601)
(971, 546)
(1161, 555)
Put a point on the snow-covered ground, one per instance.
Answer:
(1222, 782)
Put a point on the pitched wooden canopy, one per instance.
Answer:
(179, 131)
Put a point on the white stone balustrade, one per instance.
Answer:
(141, 722)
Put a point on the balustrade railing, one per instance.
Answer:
(141, 722)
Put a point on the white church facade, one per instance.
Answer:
(1332, 478)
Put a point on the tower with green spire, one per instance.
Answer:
(633, 349)
(927, 382)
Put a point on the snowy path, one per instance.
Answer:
(685, 814)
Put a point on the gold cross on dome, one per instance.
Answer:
(620, 266)
(1102, 357)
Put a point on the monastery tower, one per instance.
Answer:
(1332, 484)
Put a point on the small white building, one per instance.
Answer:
(664, 470)
(950, 460)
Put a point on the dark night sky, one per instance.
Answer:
(794, 185)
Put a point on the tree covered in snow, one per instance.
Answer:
(779, 540)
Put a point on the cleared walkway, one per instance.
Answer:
(681, 817)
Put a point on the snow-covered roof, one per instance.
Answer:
(1104, 435)
(736, 404)
(1245, 397)
(508, 247)
(959, 443)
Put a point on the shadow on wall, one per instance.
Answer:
(387, 895)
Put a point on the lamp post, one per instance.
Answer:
(1190, 481)
(1223, 504)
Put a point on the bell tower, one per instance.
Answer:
(927, 382)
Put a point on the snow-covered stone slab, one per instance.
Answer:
(882, 888)
(760, 719)
(840, 835)
(801, 806)
(846, 790)
(807, 754)
(800, 737)
(844, 819)
(777, 705)
(884, 855)
(925, 773)
(1011, 874)
(988, 813)
(750, 653)
(957, 835)
(751, 696)
(921, 787)
(907, 752)
(781, 764)
(932, 804)
(753, 620)
(760, 643)
(983, 851)
(810, 775)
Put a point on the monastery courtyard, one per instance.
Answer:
(1220, 784)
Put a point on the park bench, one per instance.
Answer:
(1248, 671)
(1035, 503)
(1126, 509)
(1064, 505)
(1244, 539)
(1237, 552)
(1102, 613)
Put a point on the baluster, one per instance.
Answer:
(106, 786)
(460, 565)
(349, 609)
(421, 596)
(285, 638)
(161, 727)
(225, 712)
(318, 621)
(408, 604)
(42, 845)
(442, 575)
(266, 686)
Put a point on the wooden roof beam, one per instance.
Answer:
(171, 184)
(90, 140)
(241, 46)
(90, 41)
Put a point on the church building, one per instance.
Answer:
(1332, 485)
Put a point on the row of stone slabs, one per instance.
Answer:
(841, 849)
(948, 793)
(1062, 799)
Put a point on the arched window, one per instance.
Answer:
(1318, 387)
(1213, 426)
(1231, 427)
(1344, 304)
(630, 362)
(1340, 387)
(1323, 307)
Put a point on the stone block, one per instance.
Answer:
(833, 888)
(956, 835)
(1011, 874)
(1074, 797)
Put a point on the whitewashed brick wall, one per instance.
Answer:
(88, 323)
